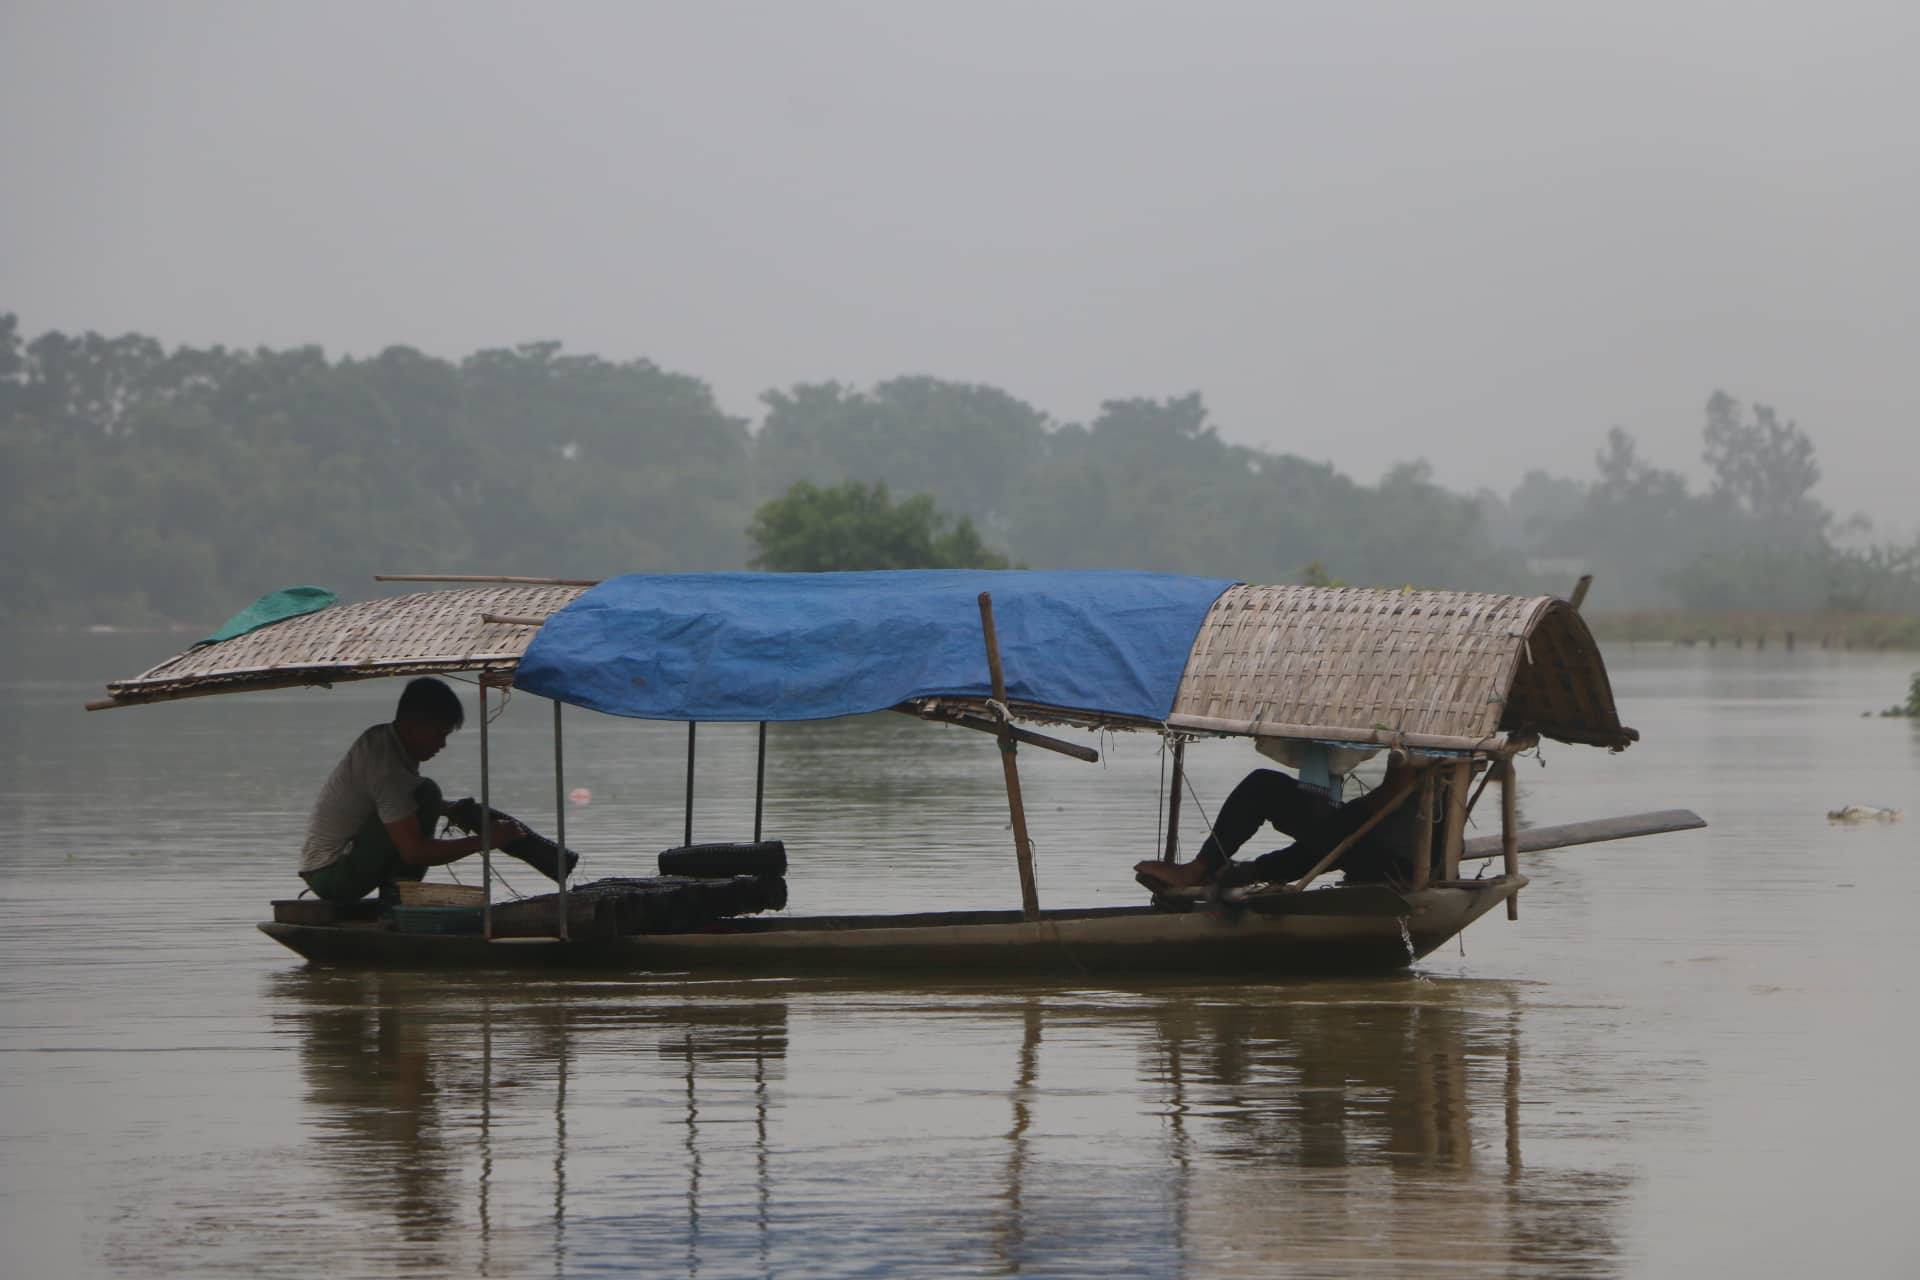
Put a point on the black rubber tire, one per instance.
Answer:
(712, 861)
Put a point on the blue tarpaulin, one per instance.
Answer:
(809, 646)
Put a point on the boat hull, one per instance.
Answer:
(1317, 933)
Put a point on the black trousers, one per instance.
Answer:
(1267, 796)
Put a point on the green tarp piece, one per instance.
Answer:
(275, 606)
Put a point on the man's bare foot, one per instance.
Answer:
(1175, 875)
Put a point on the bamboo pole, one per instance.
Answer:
(1173, 801)
(560, 818)
(1580, 589)
(1380, 815)
(1459, 778)
(486, 577)
(1491, 744)
(1484, 780)
(1510, 830)
(1423, 831)
(1009, 766)
(509, 620)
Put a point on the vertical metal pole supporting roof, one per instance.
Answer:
(560, 822)
(688, 837)
(486, 823)
(760, 782)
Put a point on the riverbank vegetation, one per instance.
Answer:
(143, 483)
(1816, 630)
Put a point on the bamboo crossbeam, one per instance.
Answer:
(507, 620)
(944, 716)
(1022, 845)
(1492, 744)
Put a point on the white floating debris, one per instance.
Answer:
(1865, 813)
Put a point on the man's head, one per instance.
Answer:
(427, 713)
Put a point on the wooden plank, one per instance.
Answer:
(1538, 839)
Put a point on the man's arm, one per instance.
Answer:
(417, 850)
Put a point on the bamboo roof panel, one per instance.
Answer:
(418, 633)
(1440, 667)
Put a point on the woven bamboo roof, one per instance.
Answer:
(422, 633)
(1442, 669)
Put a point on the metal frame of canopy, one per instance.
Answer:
(1009, 738)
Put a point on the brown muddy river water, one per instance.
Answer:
(1692, 1053)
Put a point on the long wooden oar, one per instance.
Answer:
(1536, 839)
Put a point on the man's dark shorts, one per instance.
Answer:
(372, 859)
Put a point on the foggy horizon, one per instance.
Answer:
(1481, 237)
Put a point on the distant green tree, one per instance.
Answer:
(12, 364)
(138, 483)
(1766, 468)
(1152, 485)
(966, 445)
(854, 526)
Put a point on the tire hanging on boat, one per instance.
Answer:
(715, 861)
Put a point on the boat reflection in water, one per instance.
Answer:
(762, 1128)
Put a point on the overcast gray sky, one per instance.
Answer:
(1476, 232)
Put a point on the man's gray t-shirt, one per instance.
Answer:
(377, 776)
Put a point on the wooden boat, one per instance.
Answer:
(1456, 684)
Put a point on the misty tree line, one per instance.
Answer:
(143, 483)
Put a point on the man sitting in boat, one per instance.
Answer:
(1315, 822)
(373, 822)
